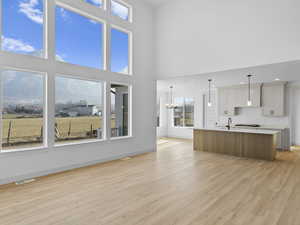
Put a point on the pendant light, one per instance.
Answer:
(171, 105)
(249, 103)
(209, 93)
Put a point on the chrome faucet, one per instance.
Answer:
(229, 123)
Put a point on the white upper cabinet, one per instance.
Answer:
(241, 95)
(230, 98)
(269, 96)
(273, 96)
(226, 102)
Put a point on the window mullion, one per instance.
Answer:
(104, 110)
(50, 90)
(108, 110)
(183, 112)
(107, 47)
(1, 109)
(50, 93)
(50, 30)
(1, 25)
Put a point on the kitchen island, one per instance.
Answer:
(258, 144)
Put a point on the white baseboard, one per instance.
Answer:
(70, 167)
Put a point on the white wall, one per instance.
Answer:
(162, 130)
(21, 165)
(200, 36)
(295, 120)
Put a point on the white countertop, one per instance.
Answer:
(262, 127)
(249, 131)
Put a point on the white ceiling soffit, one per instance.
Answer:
(287, 71)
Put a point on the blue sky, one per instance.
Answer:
(119, 60)
(22, 28)
(78, 39)
(95, 2)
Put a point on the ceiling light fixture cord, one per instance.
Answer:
(170, 105)
(249, 89)
(171, 95)
(209, 92)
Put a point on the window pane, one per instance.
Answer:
(22, 26)
(120, 10)
(119, 110)
(189, 112)
(79, 40)
(178, 112)
(119, 51)
(78, 110)
(95, 2)
(23, 102)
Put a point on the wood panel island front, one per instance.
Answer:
(257, 144)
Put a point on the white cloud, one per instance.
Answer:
(29, 8)
(59, 58)
(93, 21)
(9, 76)
(14, 45)
(97, 2)
(125, 70)
(120, 10)
(63, 13)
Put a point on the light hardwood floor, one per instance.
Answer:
(175, 186)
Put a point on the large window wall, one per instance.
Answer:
(61, 63)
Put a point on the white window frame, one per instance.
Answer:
(49, 66)
(103, 108)
(184, 125)
(45, 110)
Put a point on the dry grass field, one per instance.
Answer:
(77, 125)
(29, 130)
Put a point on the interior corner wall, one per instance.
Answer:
(27, 164)
(200, 36)
(162, 130)
(295, 111)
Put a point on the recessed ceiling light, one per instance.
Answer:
(277, 79)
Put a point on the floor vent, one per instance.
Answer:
(126, 158)
(25, 181)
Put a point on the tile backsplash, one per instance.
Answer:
(254, 116)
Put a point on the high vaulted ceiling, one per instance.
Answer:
(156, 2)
